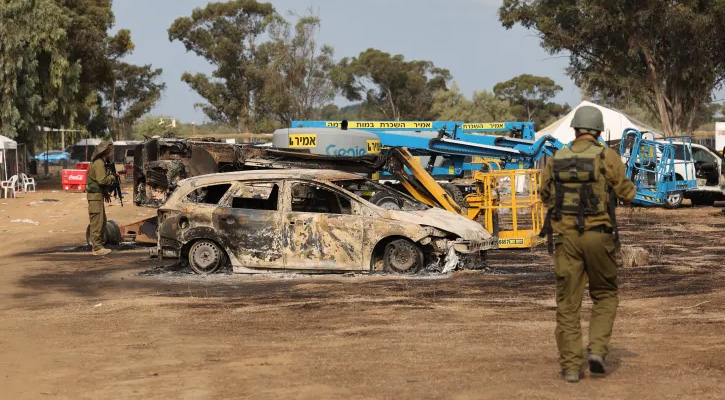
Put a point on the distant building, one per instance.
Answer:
(720, 136)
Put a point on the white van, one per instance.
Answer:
(709, 171)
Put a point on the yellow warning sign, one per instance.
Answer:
(374, 146)
(382, 124)
(486, 125)
(302, 140)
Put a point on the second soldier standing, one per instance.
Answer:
(98, 187)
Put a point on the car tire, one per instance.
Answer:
(112, 234)
(386, 200)
(455, 193)
(402, 257)
(702, 200)
(673, 200)
(206, 257)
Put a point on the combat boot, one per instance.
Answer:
(101, 252)
(596, 364)
(571, 377)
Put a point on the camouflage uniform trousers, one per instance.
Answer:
(97, 216)
(578, 259)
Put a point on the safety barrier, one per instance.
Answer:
(508, 204)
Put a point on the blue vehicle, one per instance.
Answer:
(53, 156)
(652, 164)
(453, 149)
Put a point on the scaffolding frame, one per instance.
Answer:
(526, 208)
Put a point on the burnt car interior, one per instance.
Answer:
(317, 199)
(257, 196)
(371, 191)
(209, 194)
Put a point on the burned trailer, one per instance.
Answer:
(159, 164)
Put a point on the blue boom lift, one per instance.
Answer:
(651, 166)
(463, 147)
(483, 161)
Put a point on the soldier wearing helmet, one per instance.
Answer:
(98, 184)
(580, 187)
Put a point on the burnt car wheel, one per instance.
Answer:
(206, 257)
(111, 236)
(386, 200)
(455, 193)
(403, 257)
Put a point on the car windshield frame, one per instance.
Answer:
(418, 205)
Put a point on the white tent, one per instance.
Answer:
(7, 144)
(615, 123)
(89, 142)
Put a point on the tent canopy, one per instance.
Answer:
(7, 143)
(615, 123)
(89, 142)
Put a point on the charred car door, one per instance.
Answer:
(251, 225)
(196, 219)
(321, 231)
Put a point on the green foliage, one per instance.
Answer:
(154, 125)
(529, 97)
(667, 55)
(90, 45)
(160, 125)
(133, 93)
(56, 58)
(225, 34)
(331, 112)
(451, 105)
(297, 73)
(389, 85)
(38, 79)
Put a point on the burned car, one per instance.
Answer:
(310, 220)
(159, 164)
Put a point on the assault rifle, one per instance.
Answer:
(116, 185)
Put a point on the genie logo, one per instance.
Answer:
(333, 150)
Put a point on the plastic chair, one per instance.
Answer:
(26, 182)
(9, 185)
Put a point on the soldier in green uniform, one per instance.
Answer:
(98, 184)
(580, 187)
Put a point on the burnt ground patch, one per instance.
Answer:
(58, 250)
(685, 253)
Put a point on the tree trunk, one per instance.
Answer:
(244, 118)
(659, 94)
(113, 107)
(691, 119)
(396, 116)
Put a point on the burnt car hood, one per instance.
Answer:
(444, 220)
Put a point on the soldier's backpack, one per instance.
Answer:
(579, 187)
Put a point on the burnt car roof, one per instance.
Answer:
(312, 174)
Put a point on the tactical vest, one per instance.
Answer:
(580, 186)
(92, 186)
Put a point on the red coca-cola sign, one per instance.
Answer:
(74, 179)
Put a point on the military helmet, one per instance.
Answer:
(588, 119)
(102, 149)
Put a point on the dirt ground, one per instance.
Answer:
(77, 327)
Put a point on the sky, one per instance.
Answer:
(463, 36)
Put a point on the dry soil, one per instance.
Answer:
(73, 326)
